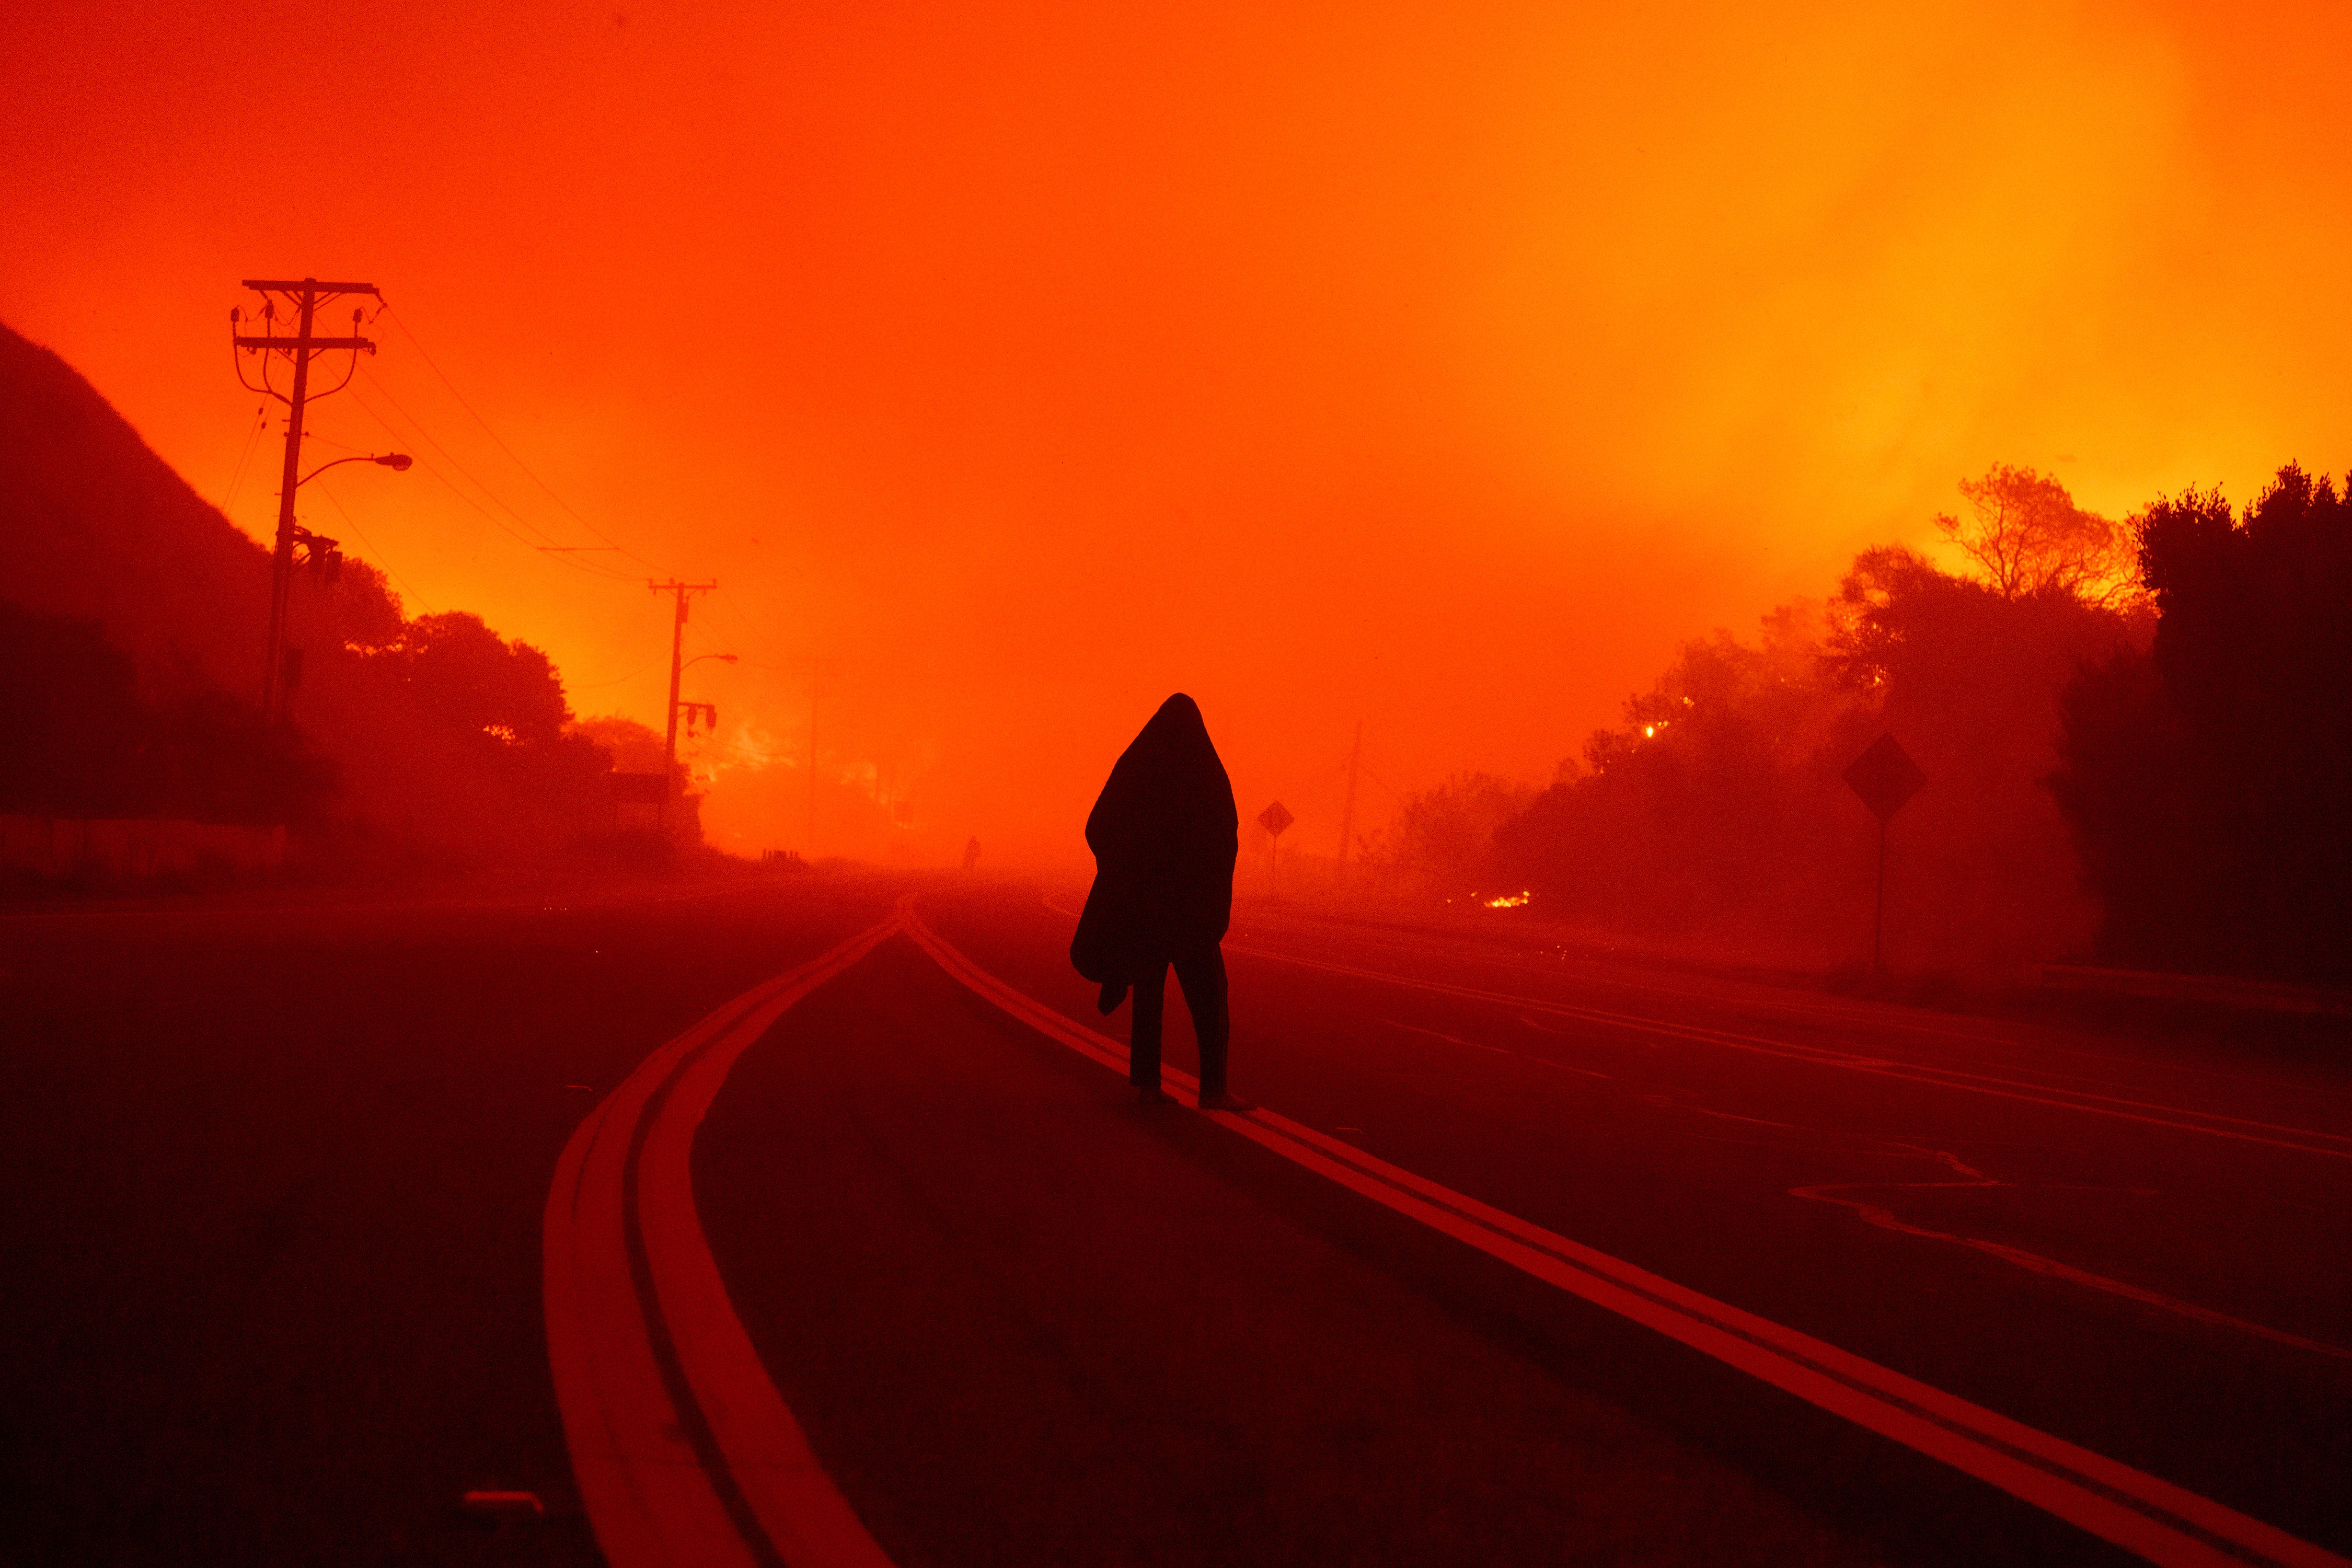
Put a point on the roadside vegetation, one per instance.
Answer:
(2138, 737)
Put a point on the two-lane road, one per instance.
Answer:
(1527, 1256)
(275, 1173)
(2138, 1249)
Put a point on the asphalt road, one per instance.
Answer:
(277, 1172)
(2137, 1244)
(275, 1177)
(1026, 1321)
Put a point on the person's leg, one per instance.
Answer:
(1143, 1028)
(1201, 973)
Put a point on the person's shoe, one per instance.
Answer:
(1225, 1099)
(1152, 1094)
(1113, 993)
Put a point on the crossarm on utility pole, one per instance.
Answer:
(316, 345)
(306, 294)
(297, 285)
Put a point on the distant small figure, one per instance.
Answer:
(1165, 835)
(971, 852)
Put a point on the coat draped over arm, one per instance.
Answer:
(1165, 835)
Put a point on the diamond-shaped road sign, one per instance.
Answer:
(1275, 818)
(1885, 777)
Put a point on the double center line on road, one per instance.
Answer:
(2303, 1140)
(2162, 1523)
(683, 1449)
(684, 1453)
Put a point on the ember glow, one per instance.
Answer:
(1011, 366)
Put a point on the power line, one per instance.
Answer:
(528, 542)
(446, 483)
(361, 535)
(301, 347)
(599, 685)
(314, 435)
(245, 456)
(418, 425)
(402, 323)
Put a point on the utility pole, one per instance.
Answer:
(812, 767)
(676, 664)
(1348, 812)
(306, 297)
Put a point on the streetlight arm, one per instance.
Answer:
(395, 461)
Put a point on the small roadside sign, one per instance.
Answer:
(1273, 819)
(1885, 777)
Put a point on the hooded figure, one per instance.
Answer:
(1165, 835)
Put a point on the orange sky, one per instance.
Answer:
(1438, 367)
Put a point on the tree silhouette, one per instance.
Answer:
(1719, 807)
(1445, 838)
(1706, 807)
(2026, 536)
(468, 678)
(2207, 783)
(1883, 600)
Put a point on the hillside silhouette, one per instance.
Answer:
(132, 619)
(94, 526)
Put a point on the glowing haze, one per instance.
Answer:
(1436, 367)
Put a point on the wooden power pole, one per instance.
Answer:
(812, 763)
(306, 296)
(676, 665)
(1348, 811)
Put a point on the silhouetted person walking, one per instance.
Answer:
(1165, 835)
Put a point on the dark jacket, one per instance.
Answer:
(1165, 835)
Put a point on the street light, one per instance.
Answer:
(320, 554)
(397, 462)
(325, 561)
(669, 742)
(709, 710)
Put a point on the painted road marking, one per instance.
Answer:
(1885, 1218)
(1450, 1039)
(2303, 1140)
(684, 1451)
(1873, 1015)
(2162, 1523)
(1498, 1050)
